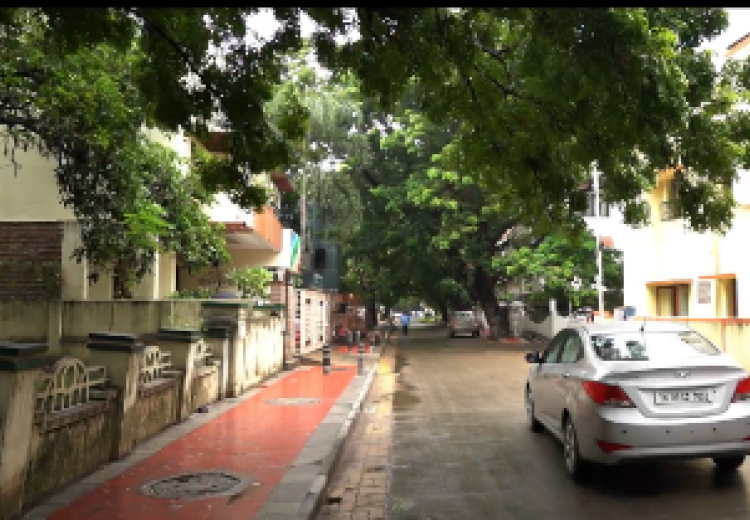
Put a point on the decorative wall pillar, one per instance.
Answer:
(218, 337)
(122, 355)
(183, 345)
(20, 367)
(233, 316)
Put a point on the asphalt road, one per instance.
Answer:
(461, 449)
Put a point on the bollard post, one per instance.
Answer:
(326, 359)
(361, 358)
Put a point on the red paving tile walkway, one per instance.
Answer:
(254, 438)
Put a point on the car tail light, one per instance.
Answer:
(607, 395)
(609, 447)
(742, 392)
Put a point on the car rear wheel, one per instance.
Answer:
(578, 469)
(534, 424)
(728, 464)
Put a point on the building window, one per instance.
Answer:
(726, 297)
(671, 300)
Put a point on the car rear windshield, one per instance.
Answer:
(646, 346)
(464, 315)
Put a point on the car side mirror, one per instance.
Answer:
(533, 358)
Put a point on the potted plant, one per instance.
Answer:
(250, 282)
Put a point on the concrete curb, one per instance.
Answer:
(301, 491)
(314, 500)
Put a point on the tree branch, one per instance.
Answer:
(374, 183)
(499, 55)
(176, 47)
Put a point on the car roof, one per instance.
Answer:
(632, 326)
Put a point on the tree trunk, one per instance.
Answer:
(444, 312)
(371, 316)
(473, 293)
(497, 318)
(120, 286)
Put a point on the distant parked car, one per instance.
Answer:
(625, 391)
(463, 322)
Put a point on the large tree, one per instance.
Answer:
(132, 196)
(543, 95)
(80, 85)
(433, 230)
(536, 98)
(331, 108)
(547, 268)
(193, 68)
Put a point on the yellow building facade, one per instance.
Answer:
(671, 270)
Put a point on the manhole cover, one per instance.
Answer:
(294, 401)
(196, 485)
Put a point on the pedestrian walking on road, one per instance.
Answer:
(405, 319)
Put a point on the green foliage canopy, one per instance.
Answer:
(548, 266)
(545, 95)
(131, 195)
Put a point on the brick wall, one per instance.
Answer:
(30, 260)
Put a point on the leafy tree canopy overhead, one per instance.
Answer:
(533, 98)
(542, 95)
(432, 232)
(131, 195)
(545, 95)
(188, 68)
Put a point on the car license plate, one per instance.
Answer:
(682, 396)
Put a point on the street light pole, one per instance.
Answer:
(599, 286)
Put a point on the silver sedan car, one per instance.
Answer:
(625, 391)
(464, 322)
